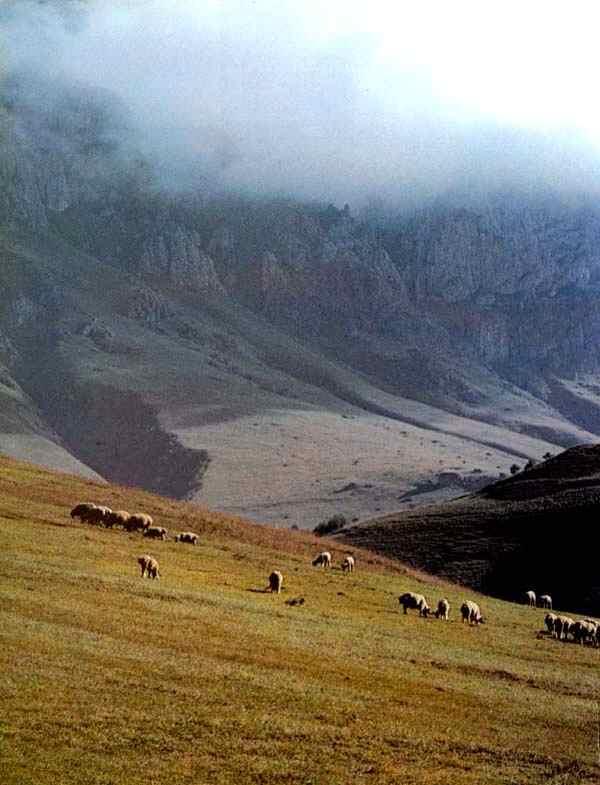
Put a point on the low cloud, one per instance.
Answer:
(241, 97)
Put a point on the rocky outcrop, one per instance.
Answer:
(178, 255)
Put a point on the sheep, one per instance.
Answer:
(348, 564)
(152, 569)
(443, 609)
(471, 612)
(584, 631)
(187, 537)
(139, 521)
(549, 621)
(416, 601)
(82, 511)
(322, 560)
(568, 626)
(144, 561)
(531, 599)
(98, 516)
(546, 601)
(563, 626)
(118, 518)
(156, 532)
(275, 581)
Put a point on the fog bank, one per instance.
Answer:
(265, 99)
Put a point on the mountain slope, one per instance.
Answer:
(536, 530)
(263, 354)
(203, 677)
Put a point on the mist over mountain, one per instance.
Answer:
(230, 272)
(263, 99)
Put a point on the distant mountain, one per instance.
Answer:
(537, 530)
(264, 355)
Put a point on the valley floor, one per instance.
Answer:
(202, 677)
(307, 465)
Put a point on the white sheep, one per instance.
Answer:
(139, 521)
(98, 515)
(83, 511)
(348, 564)
(550, 621)
(156, 532)
(546, 601)
(471, 612)
(275, 581)
(118, 518)
(563, 626)
(152, 568)
(189, 537)
(443, 609)
(531, 598)
(144, 561)
(322, 560)
(415, 601)
(584, 631)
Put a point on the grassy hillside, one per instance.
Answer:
(203, 678)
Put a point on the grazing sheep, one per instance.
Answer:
(82, 511)
(549, 621)
(348, 564)
(144, 561)
(595, 637)
(322, 560)
(139, 521)
(117, 518)
(152, 569)
(443, 609)
(98, 516)
(470, 612)
(558, 626)
(563, 626)
(584, 631)
(275, 581)
(531, 598)
(156, 532)
(187, 537)
(546, 601)
(416, 601)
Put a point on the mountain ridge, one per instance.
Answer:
(457, 339)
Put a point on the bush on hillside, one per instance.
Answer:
(330, 525)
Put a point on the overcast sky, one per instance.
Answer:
(339, 100)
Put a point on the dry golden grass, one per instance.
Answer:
(201, 677)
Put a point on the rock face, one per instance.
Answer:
(489, 312)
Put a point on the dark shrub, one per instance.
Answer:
(331, 525)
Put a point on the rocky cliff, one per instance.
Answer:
(476, 323)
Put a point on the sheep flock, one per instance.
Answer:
(556, 626)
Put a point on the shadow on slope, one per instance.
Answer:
(537, 530)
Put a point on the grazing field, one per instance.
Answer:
(202, 677)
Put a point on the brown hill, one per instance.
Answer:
(536, 530)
